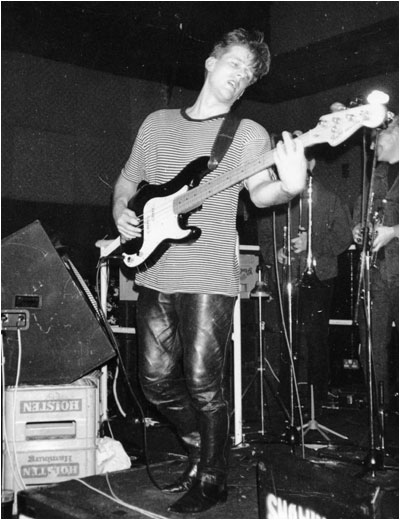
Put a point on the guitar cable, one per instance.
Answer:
(143, 421)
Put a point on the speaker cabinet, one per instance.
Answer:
(47, 304)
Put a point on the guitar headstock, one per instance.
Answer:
(336, 127)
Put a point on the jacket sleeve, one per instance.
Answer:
(265, 237)
(332, 221)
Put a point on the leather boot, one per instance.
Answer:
(210, 486)
(200, 497)
(185, 481)
(191, 442)
(214, 451)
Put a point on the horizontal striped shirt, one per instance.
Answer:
(167, 141)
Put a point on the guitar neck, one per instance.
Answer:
(192, 199)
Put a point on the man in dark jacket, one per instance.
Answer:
(313, 261)
(384, 272)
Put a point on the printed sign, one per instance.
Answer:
(51, 405)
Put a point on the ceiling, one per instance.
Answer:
(169, 41)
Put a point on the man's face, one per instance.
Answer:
(387, 147)
(230, 73)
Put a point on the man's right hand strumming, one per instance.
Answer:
(128, 225)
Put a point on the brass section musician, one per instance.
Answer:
(384, 249)
(331, 235)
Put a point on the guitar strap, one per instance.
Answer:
(223, 140)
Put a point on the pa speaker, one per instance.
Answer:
(53, 331)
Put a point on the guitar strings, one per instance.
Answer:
(164, 208)
(305, 138)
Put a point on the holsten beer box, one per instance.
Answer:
(51, 433)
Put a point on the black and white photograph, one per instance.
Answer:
(200, 259)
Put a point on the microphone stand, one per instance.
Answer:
(261, 291)
(291, 435)
(310, 280)
(374, 459)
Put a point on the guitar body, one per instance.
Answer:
(154, 205)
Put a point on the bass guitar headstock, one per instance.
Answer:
(338, 126)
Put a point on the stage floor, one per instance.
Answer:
(322, 478)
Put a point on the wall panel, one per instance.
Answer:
(68, 131)
(43, 166)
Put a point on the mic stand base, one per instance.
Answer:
(372, 463)
(314, 425)
(292, 438)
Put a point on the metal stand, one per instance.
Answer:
(374, 458)
(313, 425)
(291, 436)
(260, 292)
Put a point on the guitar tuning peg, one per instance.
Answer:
(357, 101)
(336, 107)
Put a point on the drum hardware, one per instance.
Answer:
(261, 292)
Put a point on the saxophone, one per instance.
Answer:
(377, 220)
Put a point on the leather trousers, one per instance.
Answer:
(184, 342)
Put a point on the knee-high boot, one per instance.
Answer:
(210, 486)
(214, 434)
(186, 481)
(185, 421)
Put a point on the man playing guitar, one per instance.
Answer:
(186, 299)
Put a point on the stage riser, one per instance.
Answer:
(292, 487)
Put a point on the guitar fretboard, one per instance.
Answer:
(192, 199)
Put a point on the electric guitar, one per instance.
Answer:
(164, 209)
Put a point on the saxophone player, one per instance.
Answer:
(384, 275)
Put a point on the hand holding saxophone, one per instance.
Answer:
(384, 235)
